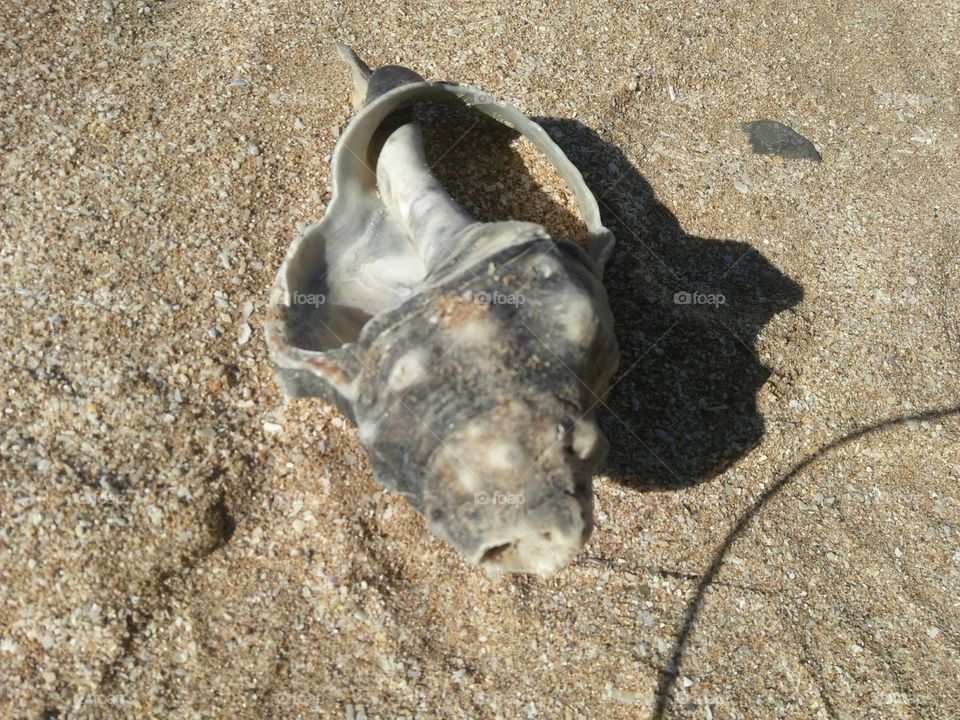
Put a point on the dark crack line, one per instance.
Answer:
(667, 680)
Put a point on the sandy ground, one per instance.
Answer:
(778, 528)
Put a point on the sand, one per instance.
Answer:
(178, 541)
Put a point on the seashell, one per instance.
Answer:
(470, 355)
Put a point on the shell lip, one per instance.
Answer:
(368, 119)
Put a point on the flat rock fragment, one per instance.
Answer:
(769, 137)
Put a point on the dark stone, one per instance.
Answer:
(768, 137)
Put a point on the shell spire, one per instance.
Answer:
(360, 72)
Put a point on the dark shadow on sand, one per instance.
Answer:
(683, 405)
(688, 311)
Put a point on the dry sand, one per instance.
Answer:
(176, 541)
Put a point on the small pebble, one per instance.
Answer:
(769, 137)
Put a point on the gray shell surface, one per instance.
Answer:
(470, 355)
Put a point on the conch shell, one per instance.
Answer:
(471, 355)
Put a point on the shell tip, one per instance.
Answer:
(359, 70)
